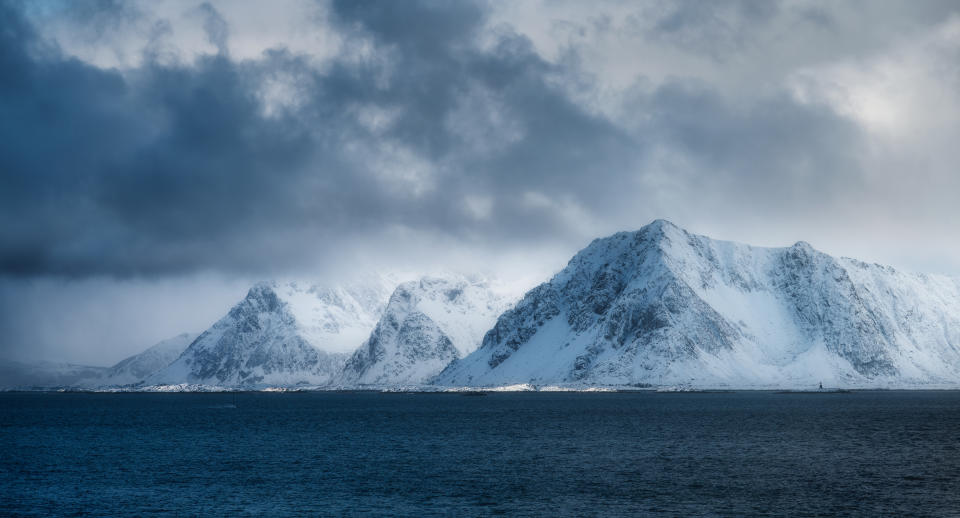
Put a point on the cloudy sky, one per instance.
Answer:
(156, 157)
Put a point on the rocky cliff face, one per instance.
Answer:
(427, 324)
(663, 306)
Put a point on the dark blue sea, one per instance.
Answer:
(514, 454)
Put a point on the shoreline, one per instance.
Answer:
(468, 391)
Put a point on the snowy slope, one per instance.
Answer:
(139, 366)
(427, 324)
(282, 334)
(662, 306)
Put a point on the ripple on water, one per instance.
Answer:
(520, 454)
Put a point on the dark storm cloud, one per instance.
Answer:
(175, 168)
(562, 150)
(140, 201)
(103, 174)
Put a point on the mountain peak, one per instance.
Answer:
(660, 230)
(262, 288)
(629, 250)
(661, 224)
(428, 323)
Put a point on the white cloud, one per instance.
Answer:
(478, 207)
(176, 28)
(907, 91)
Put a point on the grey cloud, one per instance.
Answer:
(173, 168)
(215, 27)
(716, 29)
(169, 169)
(434, 135)
(769, 153)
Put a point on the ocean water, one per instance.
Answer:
(514, 454)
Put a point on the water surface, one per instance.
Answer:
(517, 454)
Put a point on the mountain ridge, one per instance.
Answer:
(428, 323)
(661, 305)
(658, 306)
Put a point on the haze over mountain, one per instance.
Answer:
(663, 306)
(46, 375)
(131, 370)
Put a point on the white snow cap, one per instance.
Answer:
(663, 306)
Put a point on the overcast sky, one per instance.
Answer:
(157, 157)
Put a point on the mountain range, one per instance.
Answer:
(282, 334)
(657, 307)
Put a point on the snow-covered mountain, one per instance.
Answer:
(663, 306)
(427, 324)
(282, 334)
(140, 366)
(46, 375)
